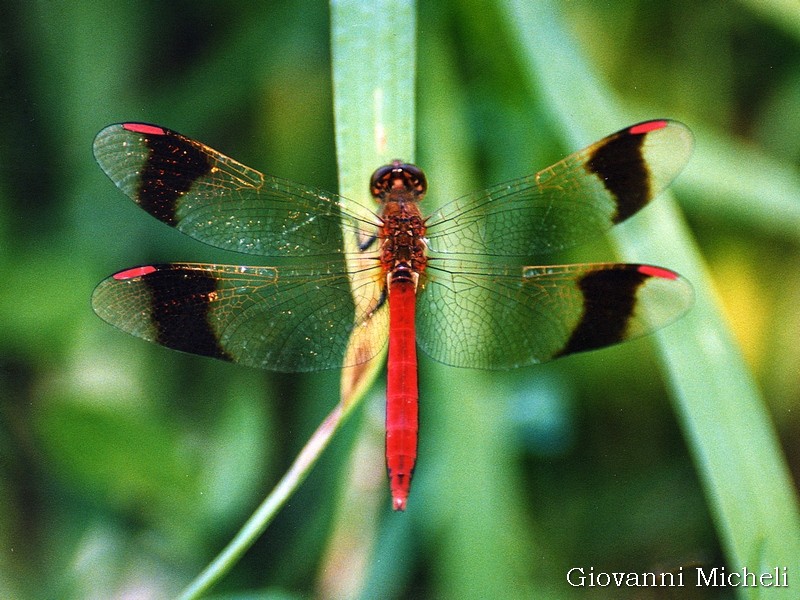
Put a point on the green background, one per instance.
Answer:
(125, 467)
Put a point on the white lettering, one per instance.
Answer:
(671, 577)
(580, 578)
(711, 577)
(667, 579)
(718, 577)
(701, 578)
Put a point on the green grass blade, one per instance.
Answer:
(724, 417)
(373, 53)
(374, 60)
(373, 47)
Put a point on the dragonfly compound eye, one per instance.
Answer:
(398, 176)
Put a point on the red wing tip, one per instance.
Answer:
(144, 128)
(657, 272)
(399, 503)
(648, 126)
(134, 272)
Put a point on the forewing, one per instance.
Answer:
(277, 319)
(220, 201)
(569, 202)
(474, 316)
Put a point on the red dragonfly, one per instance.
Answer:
(431, 281)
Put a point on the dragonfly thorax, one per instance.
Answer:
(399, 187)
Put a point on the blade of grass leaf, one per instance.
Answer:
(724, 418)
(373, 53)
(373, 57)
(374, 68)
(360, 502)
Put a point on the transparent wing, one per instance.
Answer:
(569, 202)
(471, 315)
(277, 319)
(220, 201)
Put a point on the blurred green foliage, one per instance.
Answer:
(125, 467)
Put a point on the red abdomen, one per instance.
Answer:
(401, 391)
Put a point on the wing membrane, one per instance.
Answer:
(277, 319)
(222, 202)
(569, 202)
(470, 315)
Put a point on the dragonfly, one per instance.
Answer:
(454, 283)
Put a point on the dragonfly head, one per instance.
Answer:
(398, 177)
